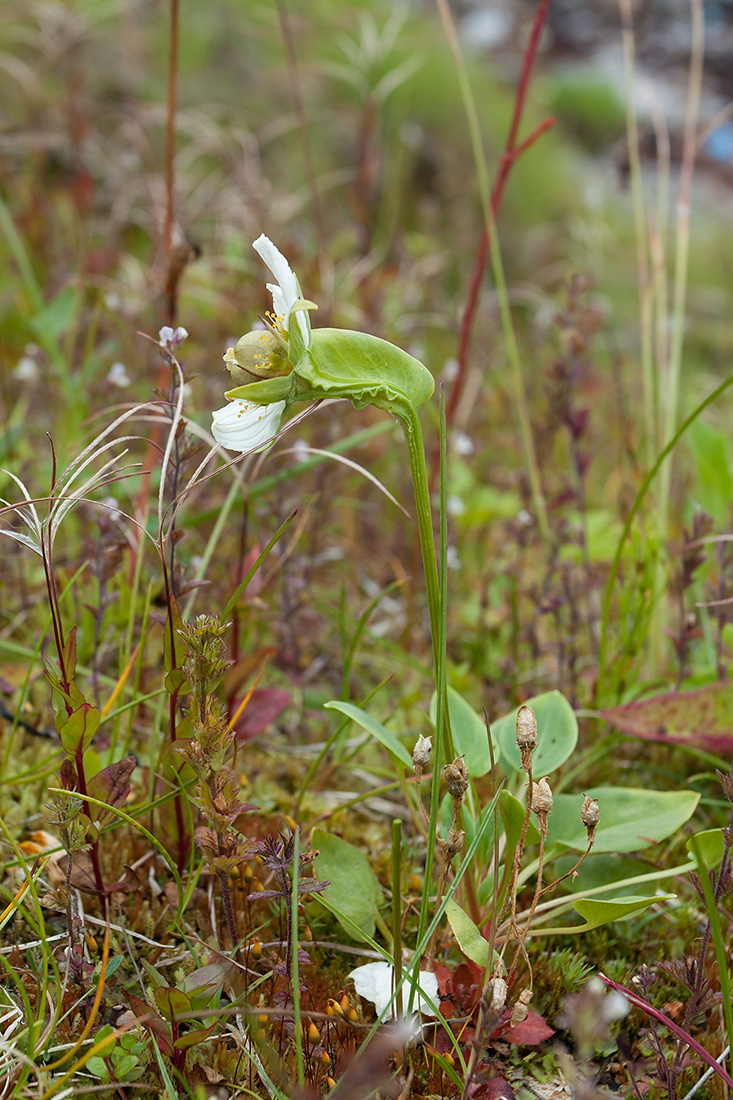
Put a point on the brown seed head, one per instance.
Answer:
(454, 843)
(542, 797)
(421, 753)
(526, 736)
(456, 777)
(520, 1012)
(526, 728)
(590, 815)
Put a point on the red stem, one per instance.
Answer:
(650, 1010)
(511, 154)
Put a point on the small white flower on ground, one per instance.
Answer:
(118, 375)
(375, 982)
(26, 369)
(462, 443)
(286, 292)
(244, 426)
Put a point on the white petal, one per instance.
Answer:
(244, 426)
(373, 982)
(287, 293)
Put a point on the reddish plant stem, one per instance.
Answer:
(509, 157)
(170, 150)
(680, 1032)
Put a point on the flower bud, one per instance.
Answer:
(456, 777)
(259, 354)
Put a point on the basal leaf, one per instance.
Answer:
(470, 739)
(598, 912)
(469, 938)
(631, 818)
(353, 887)
(557, 734)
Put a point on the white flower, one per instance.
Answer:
(375, 982)
(118, 375)
(170, 339)
(244, 426)
(286, 292)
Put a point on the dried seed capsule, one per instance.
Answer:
(498, 994)
(542, 803)
(454, 843)
(520, 1012)
(590, 815)
(421, 753)
(542, 797)
(526, 729)
(456, 777)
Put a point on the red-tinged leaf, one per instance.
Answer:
(445, 976)
(171, 1002)
(70, 656)
(465, 988)
(112, 784)
(176, 683)
(530, 1033)
(703, 718)
(79, 729)
(244, 669)
(496, 1088)
(193, 1038)
(262, 709)
(207, 980)
(153, 1023)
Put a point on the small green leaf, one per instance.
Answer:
(193, 1038)
(597, 912)
(470, 940)
(468, 729)
(512, 813)
(79, 729)
(557, 734)
(353, 887)
(632, 818)
(709, 845)
(371, 725)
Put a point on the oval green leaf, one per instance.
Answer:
(353, 888)
(470, 940)
(632, 818)
(557, 734)
(468, 730)
(597, 912)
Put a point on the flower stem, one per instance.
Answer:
(418, 466)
